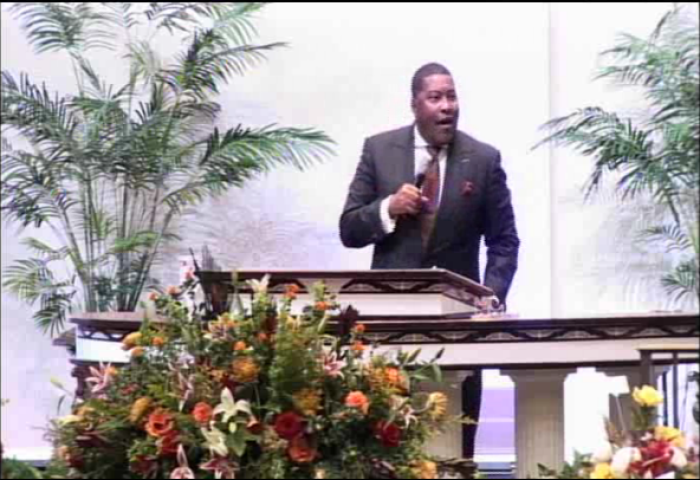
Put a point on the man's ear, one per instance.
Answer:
(413, 105)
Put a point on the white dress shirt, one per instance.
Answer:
(422, 156)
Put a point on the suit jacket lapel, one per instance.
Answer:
(406, 158)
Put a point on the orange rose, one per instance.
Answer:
(158, 341)
(202, 413)
(153, 296)
(357, 400)
(263, 337)
(291, 291)
(360, 328)
(173, 291)
(137, 352)
(358, 347)
(160, 423)
(323, 306)
(301, 451)
(239, 346)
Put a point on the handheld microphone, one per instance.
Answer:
(420, 172)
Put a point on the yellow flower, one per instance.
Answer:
(602, 470)
(139, 408)
(647, 396)
(425, 469)
(670, 434)
(307, 401)
(131, 340)
(85, 411)
(437, 405)
(245, 370)
(68, 419)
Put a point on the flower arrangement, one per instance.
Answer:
(254, 394)
(647, 451)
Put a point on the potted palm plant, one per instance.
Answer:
(109, 169)
(656, 154)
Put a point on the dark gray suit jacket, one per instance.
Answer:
(475, 201)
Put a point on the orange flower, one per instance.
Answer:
(153, 296)
(307, 401)
(131, 340)
(202, 413)
(160, 423)
(323, 306)
(139, 408)
(245, 370)
(360, 328)
(357, 400)
(158, 341)
(301, 451)
(137, 352)
(240, 346)
(291, 291)
(425, 469)
(393, 377)
(173, 291)
(358, 346)
(263, 337)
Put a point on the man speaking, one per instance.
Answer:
(425, 194)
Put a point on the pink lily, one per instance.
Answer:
(183, 470)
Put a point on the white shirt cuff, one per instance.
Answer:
(388, 224)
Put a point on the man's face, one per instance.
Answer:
(436, 109)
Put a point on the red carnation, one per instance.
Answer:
(289, 425)
(388, 433)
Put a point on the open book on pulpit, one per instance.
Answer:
(374, 293)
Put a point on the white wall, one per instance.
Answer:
(347, 72)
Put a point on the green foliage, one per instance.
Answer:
(110, 168)
(658, 153)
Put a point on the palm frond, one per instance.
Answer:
(234, 22)
(181, 15)
(672, 235)
(51, 317)
(683, 281)
(55, 26)
(32, 191)
(208, 61)
(46, 252)
(110, 168)
(123, 15)
(240, 154)
(44, 120)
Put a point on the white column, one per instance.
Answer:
(448, 444)
(539, 418)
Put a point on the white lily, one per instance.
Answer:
(603, 454)
(216, 441)
(623, 458)
(679, 460)
(259, 287)
(230, 408)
